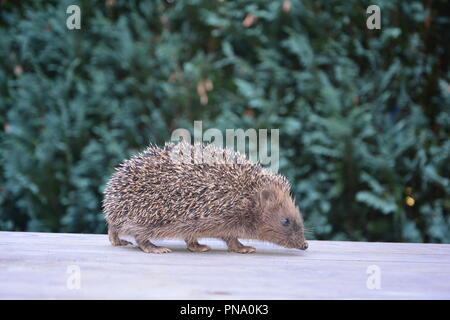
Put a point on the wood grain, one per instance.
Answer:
(35, 266)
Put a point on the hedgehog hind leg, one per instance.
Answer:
(235, 246)
(194, 246)
(113, 235)
(148, 247)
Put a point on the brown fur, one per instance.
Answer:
(169, 193)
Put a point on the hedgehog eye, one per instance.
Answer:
(285, 221)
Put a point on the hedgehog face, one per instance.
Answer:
(281, 221)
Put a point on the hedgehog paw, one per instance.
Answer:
(121, 243)
(198, 247)
(235, 246)
(243, 249)
(115, 240)
(155, 249)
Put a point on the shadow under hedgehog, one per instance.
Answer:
(199, 191)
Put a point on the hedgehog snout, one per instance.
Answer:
(303, 246)
(301, 243)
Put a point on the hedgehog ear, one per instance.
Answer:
(264, 197)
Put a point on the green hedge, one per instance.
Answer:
(363, 114)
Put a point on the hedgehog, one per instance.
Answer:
(192, 191)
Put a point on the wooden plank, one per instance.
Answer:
(36, 265)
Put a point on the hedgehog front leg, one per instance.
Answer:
(148, 247)
(235, 246)
(194, 246)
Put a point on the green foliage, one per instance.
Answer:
(363, 114)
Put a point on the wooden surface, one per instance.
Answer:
(41, 266)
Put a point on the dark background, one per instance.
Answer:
(363, 114)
